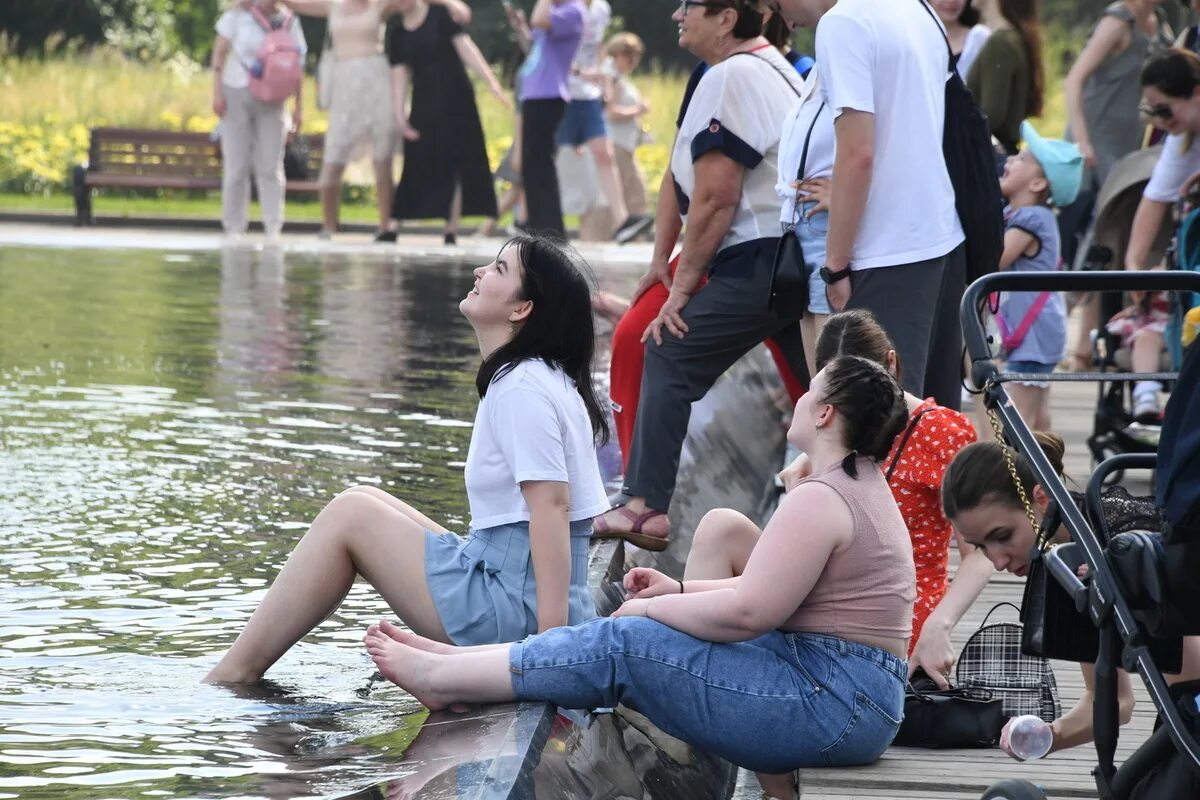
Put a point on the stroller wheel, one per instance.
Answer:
(1014, 790)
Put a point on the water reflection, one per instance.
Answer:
(168, 426)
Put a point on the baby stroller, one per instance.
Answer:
(1114, 429)
(1141, 592)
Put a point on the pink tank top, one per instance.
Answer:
(868, 587)
(356, 33)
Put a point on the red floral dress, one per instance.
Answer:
(917, 484)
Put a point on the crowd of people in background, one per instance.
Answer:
(842, 152)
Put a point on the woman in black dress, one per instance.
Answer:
(446, 172)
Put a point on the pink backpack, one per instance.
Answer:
(278, 68)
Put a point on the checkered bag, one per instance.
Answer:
(992, 660)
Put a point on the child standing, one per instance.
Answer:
(625, 111)
(1033, 325)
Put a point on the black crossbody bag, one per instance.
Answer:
(789, 271)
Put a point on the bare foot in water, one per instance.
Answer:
(393, 631)
(405, 666)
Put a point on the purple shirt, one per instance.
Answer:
(544, 73)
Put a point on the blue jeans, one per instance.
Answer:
(812, 233)
(771, 704)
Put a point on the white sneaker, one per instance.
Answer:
(1146, 409)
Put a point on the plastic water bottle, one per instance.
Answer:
(256, 68)
(1029, 737)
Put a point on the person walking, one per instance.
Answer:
(624, 114)
(557, 27)
(252, 131)
(446, 170)
(883, 76)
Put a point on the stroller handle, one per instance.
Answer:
(975, 337)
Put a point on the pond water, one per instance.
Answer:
(169, 423)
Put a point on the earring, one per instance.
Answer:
(511, 328)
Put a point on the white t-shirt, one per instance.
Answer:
(531, 426)
(976, 37)
(889, 59)
(739, 108)
(245, 36)
(1174, 166)
(625, 133)
(595, 22)
(821, 145)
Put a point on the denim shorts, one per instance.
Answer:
(1031, 367)
(771, 704)
(811, 233)
(582, 122)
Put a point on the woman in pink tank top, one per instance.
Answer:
(794, 658)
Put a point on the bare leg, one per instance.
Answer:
(1145, 354)
(610, 182)
(1088, 319)
(384, 187)
(355, 534)
(419, 642)
(810, 329)
(1027, 400)
(331, 195)
(439, 681)
(401, 506)
(455, 211)
(721, 546)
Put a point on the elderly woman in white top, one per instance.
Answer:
(252, 132)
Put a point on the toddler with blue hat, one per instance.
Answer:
(1047, 173)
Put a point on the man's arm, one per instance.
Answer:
(853, 166)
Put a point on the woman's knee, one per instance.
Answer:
(724, 529)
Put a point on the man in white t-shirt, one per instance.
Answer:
(895, 244)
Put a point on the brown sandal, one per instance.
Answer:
(601, 529)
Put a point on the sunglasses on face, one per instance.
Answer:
(1162, 112)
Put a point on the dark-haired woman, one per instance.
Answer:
(914, 469)
(1170, 83)
(533, 485)
(1007, 79)
(980, 499)
(793, 658)
(967, 36)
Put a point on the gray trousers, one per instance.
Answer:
(252, 140)
(917, 304)
(725, 319)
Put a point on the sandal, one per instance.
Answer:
(601, 529)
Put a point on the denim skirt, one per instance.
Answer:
(771, 704)
(483, 587)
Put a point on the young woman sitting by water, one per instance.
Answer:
(981, 501)
(794, 658)
(914, 468)
(533, 485)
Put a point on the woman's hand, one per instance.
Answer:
(934, 654)
(816, 190)
(1089, 154)
(793, 473)
(659, 272)
(644, 583)
(670, 317)
(219, 105)
(633, 608)
(408, 132)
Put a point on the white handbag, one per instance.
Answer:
(325, 73)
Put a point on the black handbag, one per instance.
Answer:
(295, 159)
(789, 271)
(961, 717)
(1053, 628)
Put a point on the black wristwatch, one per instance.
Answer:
(832, 276)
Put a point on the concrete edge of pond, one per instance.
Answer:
(605, 255)
(735, 442)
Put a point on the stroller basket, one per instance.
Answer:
(1124, 640)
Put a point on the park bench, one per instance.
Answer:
(140, 158)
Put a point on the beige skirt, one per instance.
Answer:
(360, 111)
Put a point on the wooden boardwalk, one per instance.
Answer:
(943, 774)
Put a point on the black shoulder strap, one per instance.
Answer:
(912, 426)
(941, 30)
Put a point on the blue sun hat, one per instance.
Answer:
(1060, 161)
